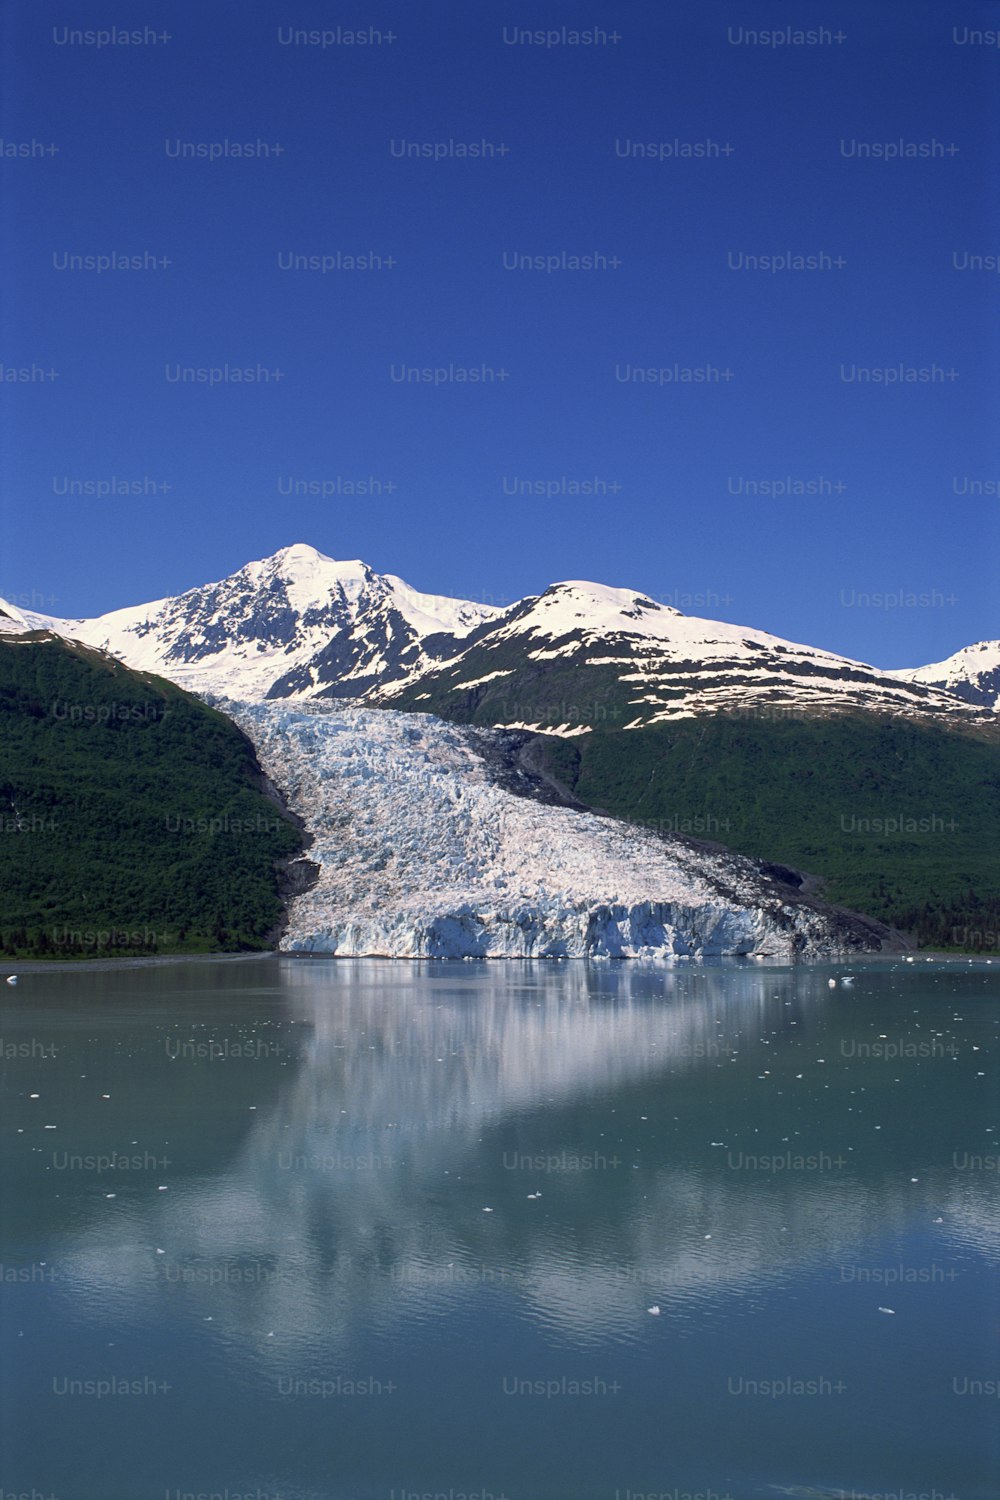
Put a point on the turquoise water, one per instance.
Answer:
(381, 1230)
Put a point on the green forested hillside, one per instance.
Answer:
(901, 820)
(131, 815)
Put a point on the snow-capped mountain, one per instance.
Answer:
(297, 624)
(14, 621)
(972, 674)
(422, 852)
(582, 654)
(300, 625)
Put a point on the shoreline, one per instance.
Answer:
(154, 960)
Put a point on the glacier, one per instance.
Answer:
(421, 852)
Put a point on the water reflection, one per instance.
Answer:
(558, 1137)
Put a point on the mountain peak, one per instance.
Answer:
(299, 552)
(9, 612)
(300, 559)
(14, 621)
(972, 674)
(604, 597)
(597, 608)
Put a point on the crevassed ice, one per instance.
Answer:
(422, 855)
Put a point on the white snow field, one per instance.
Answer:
(972, 673)
(14, 621)
(422, 855)
(297, 620)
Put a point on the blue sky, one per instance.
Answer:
(477, 478)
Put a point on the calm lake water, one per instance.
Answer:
(378, 1230)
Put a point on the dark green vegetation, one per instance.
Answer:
(613, 682)
(569, 690)
(132, 818)
(901, 820)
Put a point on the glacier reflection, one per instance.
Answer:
(359, 1189)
